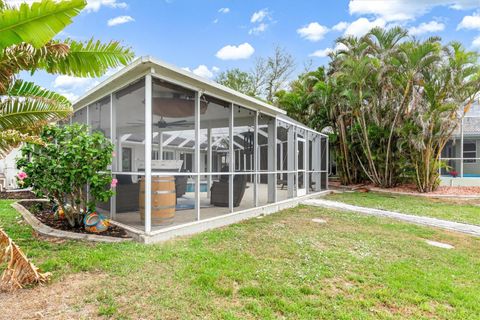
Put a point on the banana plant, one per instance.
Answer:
(27, 44)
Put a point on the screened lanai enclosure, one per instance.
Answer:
(461, 155)
(189, 151)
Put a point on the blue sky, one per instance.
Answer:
(210, 36)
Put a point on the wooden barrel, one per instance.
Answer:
(163, 200)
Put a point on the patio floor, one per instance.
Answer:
(207, 210)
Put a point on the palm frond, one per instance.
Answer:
(37, 23)
(32, 90)
(10, 139)
(89, 59)
(24, 114)
(25, 56)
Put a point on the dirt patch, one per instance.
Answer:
(60, 300)
(17, 195)
(43, 211)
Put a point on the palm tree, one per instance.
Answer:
(27, 44)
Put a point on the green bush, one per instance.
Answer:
(70, 162)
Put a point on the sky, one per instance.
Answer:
(211, 36)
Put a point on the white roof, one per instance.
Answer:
(168, 72)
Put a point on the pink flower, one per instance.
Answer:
(114, 154)
(21, 175)
(114, 183)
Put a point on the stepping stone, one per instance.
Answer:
(440, 244)
(317, 220)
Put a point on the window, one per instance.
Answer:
(168, 155)
(126, 159)
(469, 152)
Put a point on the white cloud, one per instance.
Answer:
(215, 21)
(340, 46)
(69, 86)
(258, 29)
(313, 31)
(398, 10)
(68, 82)
(426, 27)
(231, 52)
(476, 42)
(259, 16)
(95, 5)
(325, 52)
(360, 27)
(203, 71)
(119, 20)
(340, 26)
(321, 53)
(224, 10)
(470, 22)
(69, 95)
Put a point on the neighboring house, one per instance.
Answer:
(8, 171)
(462, 152)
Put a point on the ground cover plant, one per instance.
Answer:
(280, 266)
(458, 210)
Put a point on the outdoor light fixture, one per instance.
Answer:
(248, 141)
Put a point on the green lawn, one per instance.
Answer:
(466, 211)
(280, 266)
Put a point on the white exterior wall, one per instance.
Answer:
(8, 168)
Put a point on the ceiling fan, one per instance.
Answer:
(162, 124)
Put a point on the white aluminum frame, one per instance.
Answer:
(292, 172)
(462, 139)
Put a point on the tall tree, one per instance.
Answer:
(268, 77)
(238, 80)
(392, 103)
(26, 44)
(272, 73)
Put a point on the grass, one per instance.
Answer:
(280, 266)
(466, 211)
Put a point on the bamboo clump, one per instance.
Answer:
(19, 271)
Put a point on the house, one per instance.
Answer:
(191, 154)
(461, 154)
(8, 171)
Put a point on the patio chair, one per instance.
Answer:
(219, 191)
(127, 195)
(181, 185)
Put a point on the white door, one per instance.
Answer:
(301, 167)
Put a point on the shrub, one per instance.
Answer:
(70, 162)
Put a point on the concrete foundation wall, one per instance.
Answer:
(460, 182)
(220, 221)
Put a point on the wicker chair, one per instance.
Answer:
(219, 191)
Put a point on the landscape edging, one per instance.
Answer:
(45, 230)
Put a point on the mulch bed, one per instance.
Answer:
(43, 212)
(411, 189)
(17, 195)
